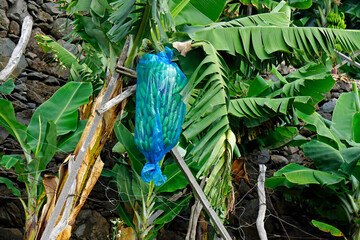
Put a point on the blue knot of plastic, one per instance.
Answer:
(152, 171)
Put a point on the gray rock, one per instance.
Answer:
(37, 75)
(19, 106)
(18, 96)
(39, 2)
(261, 157)
(4, 5)
(279, 159)
(33, 6)
(30, 55)
(328, 107)
(325, 115)
(52, 81)
(335, 95)
(7, 47)
(296, 158)
(52, 8)
(292, 150)
(336, 87)
(18, 11)
(14, 37)
(3, 33)
(24, 117)
(11, 233)
(3, 134)
(345, 86)
(14, 28)
(91, 225)
(45, 17)
(4, 21)
(21, 87)
(61, 28)
(31, 105)
(44, 26)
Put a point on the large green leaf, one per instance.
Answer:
(325, 157)
(68, 142)
(301, 175)
(7, 87)
(327, 228)
(175, 179)
(10, 185)
(312, 80)
(317, 121)
(47, 151)
(9, 122)
(343, 116)
(196, 12)
(206, 125)
(260, 45)
(300, 4)
(61, 108)
(126, 138)
(8, 161)
(264, 108)
(171, 211)
(124, 182)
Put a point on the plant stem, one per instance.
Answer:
(139, 36)
(357, 100)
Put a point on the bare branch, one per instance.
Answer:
(19, 49)
(347, 59)
(119, 98)
(262, 203)
(200, 194)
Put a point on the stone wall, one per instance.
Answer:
(36, 78)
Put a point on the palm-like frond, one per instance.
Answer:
(206, 125)
(262, 46)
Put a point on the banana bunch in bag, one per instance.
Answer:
(159, 111)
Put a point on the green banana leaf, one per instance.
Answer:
(61, 108)
(196, 12)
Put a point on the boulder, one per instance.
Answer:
(18, 10)
(61, 28)
(4, 21)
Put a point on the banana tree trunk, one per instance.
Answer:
(91, 165)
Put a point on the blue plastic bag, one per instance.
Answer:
(160, 111)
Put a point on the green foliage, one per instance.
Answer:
(7, 87)
(132, 189)
(336, 157)
(327, 228)
(200, 12)
(55, 117)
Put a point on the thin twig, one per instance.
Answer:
(282, 225)
(126, 71)
(18, 50)
(200, 194)
(347, 59)
(194, 216)
(119, 98)
(262, 203)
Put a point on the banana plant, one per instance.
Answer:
(335, 152)
(224, 55)
(150, 207)
(54, 118)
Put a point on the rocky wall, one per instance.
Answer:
(36, 78)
